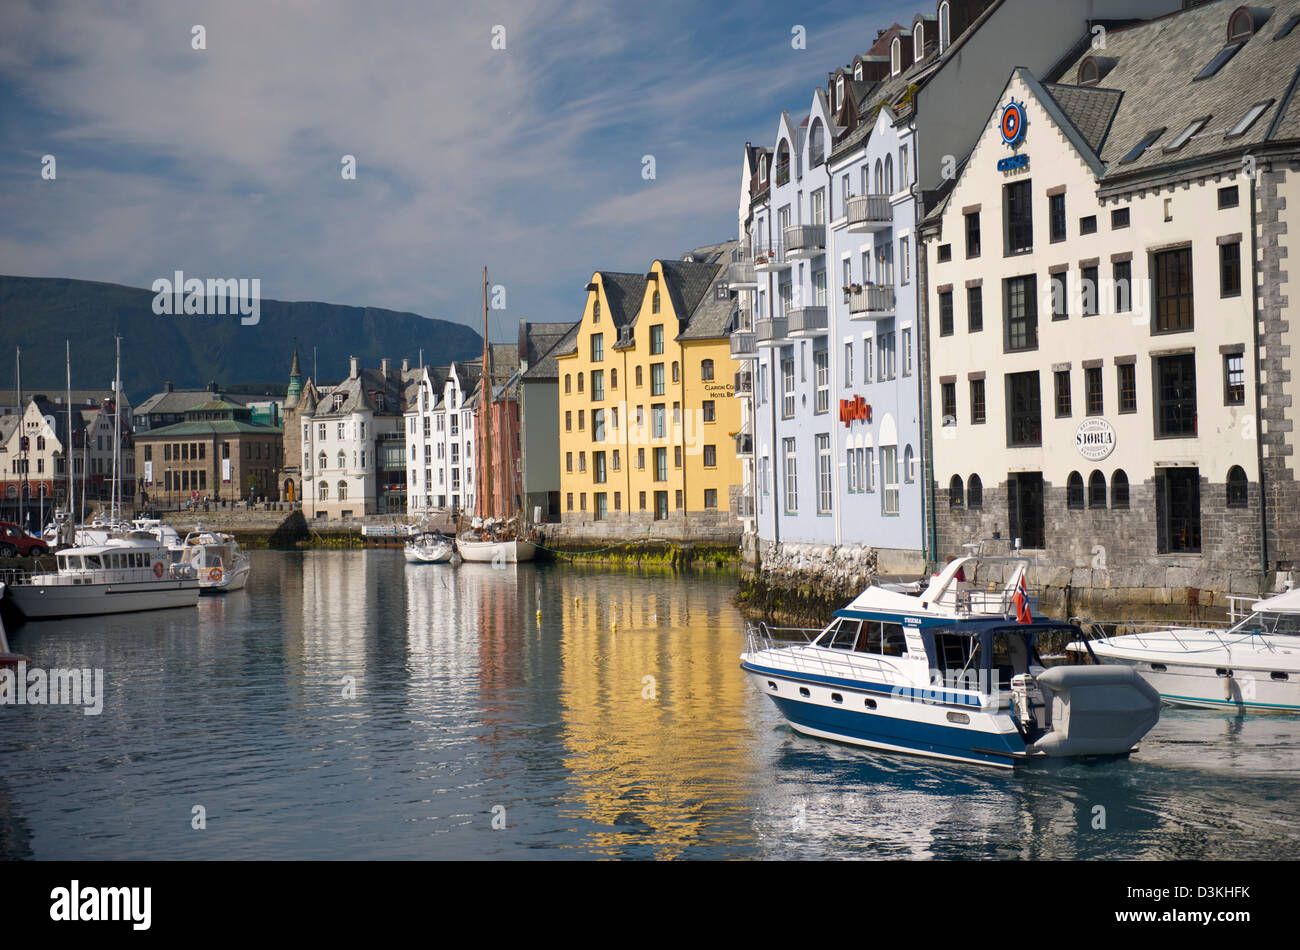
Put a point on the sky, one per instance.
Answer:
(228, 161)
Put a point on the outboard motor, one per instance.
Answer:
(1021, 705)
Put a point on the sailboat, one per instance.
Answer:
(492, 540)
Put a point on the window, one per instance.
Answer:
(1238, 487)
(1024, 411)
(974, 309)
(886, 352)
(656, 379)
(1178, 510)
(945, 313)
(1021, 313)
(791, 478)
(709, 410)
(677, 374)
(848, 363)
(1018, 214)
(945, 253)
(710, 456)
(1146, 142)
(1119, 218)
(1088, 224)
(640, 462)
(1126, 374)
(824, 493)
(787, 387)
(907, 351)
(1230, 270)
(1123, 286)
(580, 382)
(895, 57)
(974, 493)
(658, 421)
(1096, 490)
(1060, 295)
(1092, 390)
(613, 384)
(710, 498)
(639, 379)
(615, 466)
(889, 478)
(866, 359)
(595, 311)
(1119, 490)
(568, 420)
(1228, 197)
(822, 376)
(568, 461)
(1062, 384)
(582, 419)
(597, 385)
(1074, 492)
(973, 234)
(948, 401)
(1176, 396)
(661, 464)
(1089, 287)
(956, 492)
(905, 259)
(598, 425)
(1234, 379)
(656, 340)
(598, 466)
(1056, 217)
(1173, 290)
(654, 302)
(706, 369)
(977, 402)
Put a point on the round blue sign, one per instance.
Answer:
(1012, 124)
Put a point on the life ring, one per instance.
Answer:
(158, 568)
(214, 575)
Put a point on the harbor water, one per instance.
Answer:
(348, 705)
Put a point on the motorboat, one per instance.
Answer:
(7, 656)
(219, 562)
(1252, 665)
(953, 673)
(129, 573)
(429, 547)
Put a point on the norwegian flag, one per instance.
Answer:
(1021, 598)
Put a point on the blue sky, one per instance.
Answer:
(225, 162)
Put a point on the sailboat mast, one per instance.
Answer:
(22, 411)
(67, 448)
(115, 495)
(486, 402)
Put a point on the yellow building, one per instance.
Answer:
(648, 407)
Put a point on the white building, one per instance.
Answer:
(440, 441)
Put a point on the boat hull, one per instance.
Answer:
(1205, 687)
(230, 581)
(496, 552)
(41, 602)
(440, 556)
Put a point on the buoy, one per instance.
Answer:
(539, 616)
(613, 625)
(577, 600)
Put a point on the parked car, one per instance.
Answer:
(15, 542)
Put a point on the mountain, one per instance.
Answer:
(39, 313)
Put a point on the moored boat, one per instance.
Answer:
(7, 656)
(952, 674)
(429, 547)
(219, 562)
(121, 575)
(506, 551)
(1254, 665)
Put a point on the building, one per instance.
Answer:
(1110, 362)
(217, 452)
(168, 407)
(440, 441)
(539, 415)
(647, 404)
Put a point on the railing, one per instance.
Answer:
(870, 209)
(741, 269)
(807, 320)
(745, 506)
(804, 238)
(768, 256)
(744, 379)
(800, 656)
(743, 345)
(1155, 635)
(125, 575)
(744, 444)
(771, 330)
(872, 298)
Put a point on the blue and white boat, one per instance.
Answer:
(952, 674)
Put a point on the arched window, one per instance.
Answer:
(654, 302)
(1088, 74)
(839, 92)
(817, 143)
(880, 177)
(677, 372)
(918, 43)
(343, 460)
(323, 460)
(1241, 26)
(955, 494)
(579, 382)
(857, 73)
(1074, 491)
(909, 465)
(343, 491)
(613, 378)
(974, 493)
(595, 311)
(1096, 490)
(762, 168)
(568, 382)
(1238, 487)
(945, 37)
(783, 162)
(706, 369)
(639, 378)
(323, 490)
(1119, 490)
(895, 57)
(889, 174)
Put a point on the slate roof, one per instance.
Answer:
(206, 428)
(1155, 65)
(84, 397)
(358, 395)
(179, 400)
(1091, 109)
(546, 367)
(710, 317)
(624, 293)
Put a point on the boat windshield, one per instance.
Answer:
(93, 562)
(865, 636)
(1269, 622)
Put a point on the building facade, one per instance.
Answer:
(539, 415)
(440, 441)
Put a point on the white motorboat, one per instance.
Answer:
(952, 674)
(1253, 665)
(121, 575)
(487, 551)
(219, 562)
(428, 548)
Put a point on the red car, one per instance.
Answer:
(15, 542)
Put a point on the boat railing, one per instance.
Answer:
(76, 578)
(1145, 632)
(799, 654)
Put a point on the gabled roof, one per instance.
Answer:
(546, 367)
(623, 293)
(1090, 108)
(710, 315)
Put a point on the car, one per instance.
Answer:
(15, 542)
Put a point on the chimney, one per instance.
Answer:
(355, 369)
(406, 366)
(212, 386)
(385, 367)
(167, 386)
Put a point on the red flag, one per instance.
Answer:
(1021, 598)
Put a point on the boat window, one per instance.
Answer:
(93, 562)
(1010, 656)
(846, 636)
(895, 643)
(869, 638)
(954, 652)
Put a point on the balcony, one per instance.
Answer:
(872, 302)
(807, 321)
(804, 240)
(768, 260)
(745, 506)
(744, 443)
(743, 345)
(868, 213)
(744, 381)
(770, 332)
(740, 272)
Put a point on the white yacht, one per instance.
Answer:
(428, 547)
(219, 562)
(123, 574)
(1253, 665)
(952, 674)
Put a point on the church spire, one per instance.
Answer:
(295, 383)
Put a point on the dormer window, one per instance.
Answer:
(918, 43)
(337, 404)
(1088, 75)
(1241, 25)
(895, 57)
(857, 73)
(1247, 120)
(839, 92)
(1147, 141)
(945, 36)
(1185, 135)
(1287, 27)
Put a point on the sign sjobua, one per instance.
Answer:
(1012, 126)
